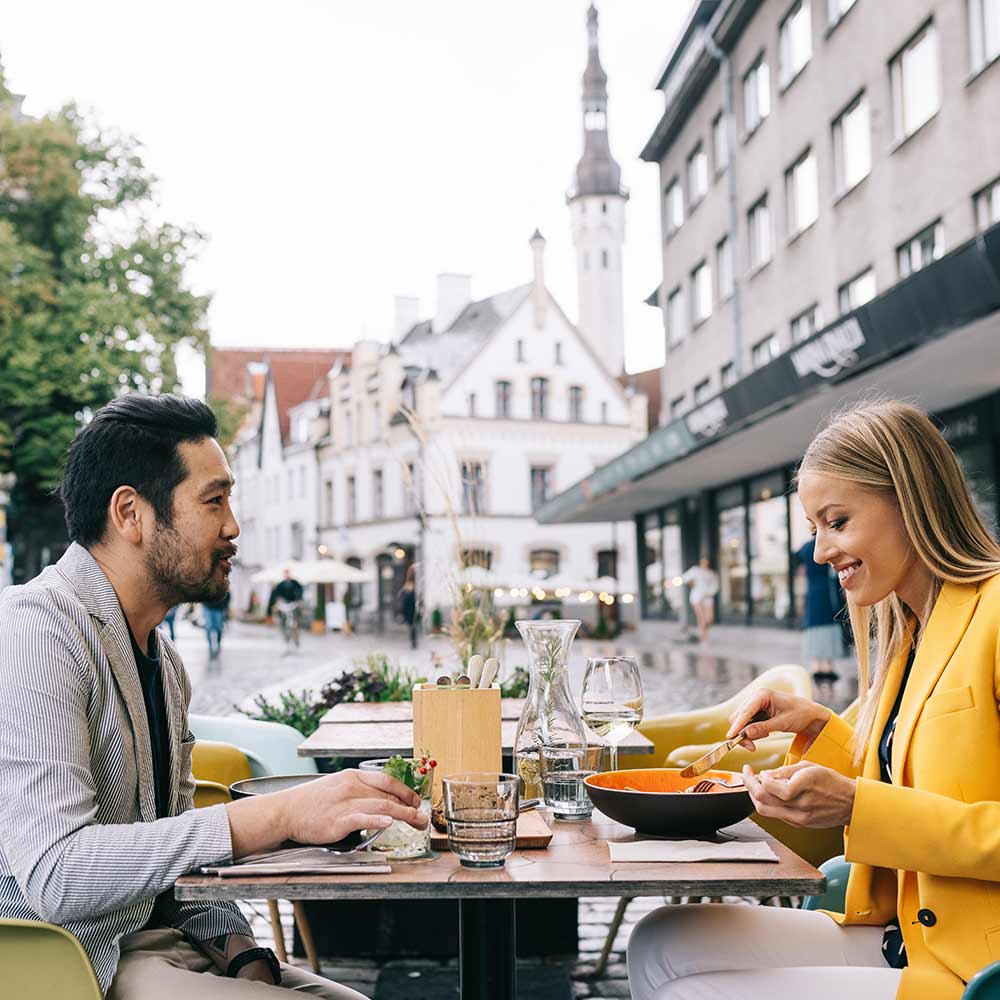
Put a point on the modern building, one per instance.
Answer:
(830, 193)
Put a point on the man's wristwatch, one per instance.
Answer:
(255, 955)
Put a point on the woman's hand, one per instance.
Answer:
(803, 794)
(783, 713)
(331, 807)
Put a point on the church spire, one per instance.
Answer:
(597, 172)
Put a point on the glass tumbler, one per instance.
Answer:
(400, 841)
(564, 769)
(481, 812)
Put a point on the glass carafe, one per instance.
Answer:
(550, 716)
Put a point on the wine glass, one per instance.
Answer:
(612, 699)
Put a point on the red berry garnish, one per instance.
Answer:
(423, 770)
(433, 763)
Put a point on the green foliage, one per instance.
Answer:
(473, 628)
(93, 300)
(437, 620)
(516, 686)
(601, 630)
(374, 678)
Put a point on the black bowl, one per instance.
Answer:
(653, 801)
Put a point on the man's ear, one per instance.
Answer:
(125, 514)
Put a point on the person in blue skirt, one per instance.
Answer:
(822, 633)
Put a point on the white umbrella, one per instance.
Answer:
(312, 571)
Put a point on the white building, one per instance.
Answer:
(438, 448)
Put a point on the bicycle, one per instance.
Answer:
(289, 619)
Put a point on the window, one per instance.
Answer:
(503, 399)
(918, 252)
(473, 488)
(759, 230)
(987, 205)
(801, 194)
(476, 557)
(604, 412)
(328, 501)
(764, 351)
(604, 259)
(852, 148)
(697, 173)
(702, 391)
(677, 406)
(805, 324)
(576, 403)
(559, 357)
(720, 143)
(520, 350)
(676, 324)
(673, 202)
(727, 374)
(352, 499)
(756, 94)
(472, 404)
(376, 420)
(795, 41)
(539, 398)
(410, 489)
(541, 478)
(378, 499)
(856, 292)
(836, 9)
(984, 32)
(607, 563)
(724, 267)
(298, 541)
(543, 563)
(701, 293)
(913, 75)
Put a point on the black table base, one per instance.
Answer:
(487, 963)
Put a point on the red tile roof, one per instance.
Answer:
(298, 374)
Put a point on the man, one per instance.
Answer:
(215, 621)
(96, 818)
(287, 596)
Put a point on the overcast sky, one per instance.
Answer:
(339, 153)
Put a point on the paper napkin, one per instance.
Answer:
(691, 850)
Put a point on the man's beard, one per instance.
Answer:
(178, 575)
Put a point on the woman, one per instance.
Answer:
(917, 783)
(704, 586)
(822, 638)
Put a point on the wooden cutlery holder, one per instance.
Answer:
(459, 728)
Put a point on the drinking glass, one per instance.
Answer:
(564, 769)
(612, 699)
(399, 840)
(481, 812)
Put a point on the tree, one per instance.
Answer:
(93, 301)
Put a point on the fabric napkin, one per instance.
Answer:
(690, 850)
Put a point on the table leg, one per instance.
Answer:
(486, 949)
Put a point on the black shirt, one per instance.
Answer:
(148, 666)
(893, 949)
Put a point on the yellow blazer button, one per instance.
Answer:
(926, 917)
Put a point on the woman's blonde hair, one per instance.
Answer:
(894, 448)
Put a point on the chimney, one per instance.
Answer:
(454, 292)
(539, 296)
(407, 312)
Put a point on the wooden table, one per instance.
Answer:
(381, 729)
(575, 864)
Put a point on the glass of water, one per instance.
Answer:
(564, 769)
(481, 812)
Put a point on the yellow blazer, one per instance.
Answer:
(926, 848)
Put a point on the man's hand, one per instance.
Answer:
(223, 949)
(803, 794)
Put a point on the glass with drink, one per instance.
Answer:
(612, 699)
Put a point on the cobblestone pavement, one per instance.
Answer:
(676, 676)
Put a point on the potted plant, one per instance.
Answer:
(319, 612)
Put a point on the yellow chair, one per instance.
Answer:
(216, 766)
(41, 961)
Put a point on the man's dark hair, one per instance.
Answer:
(130, 442)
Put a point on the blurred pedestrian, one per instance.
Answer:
(822, 634)
(168, 620)
(215, 619)
(704, 583)
(408, 603)
(286, 598)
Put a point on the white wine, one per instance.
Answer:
(613, 724)
(529, 771)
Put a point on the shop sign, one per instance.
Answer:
(709, 419)
(831, 352)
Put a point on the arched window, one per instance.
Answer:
(539, 398)
(543, 563)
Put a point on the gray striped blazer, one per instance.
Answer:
(80, 844)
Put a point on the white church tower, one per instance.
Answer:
(597, 213)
